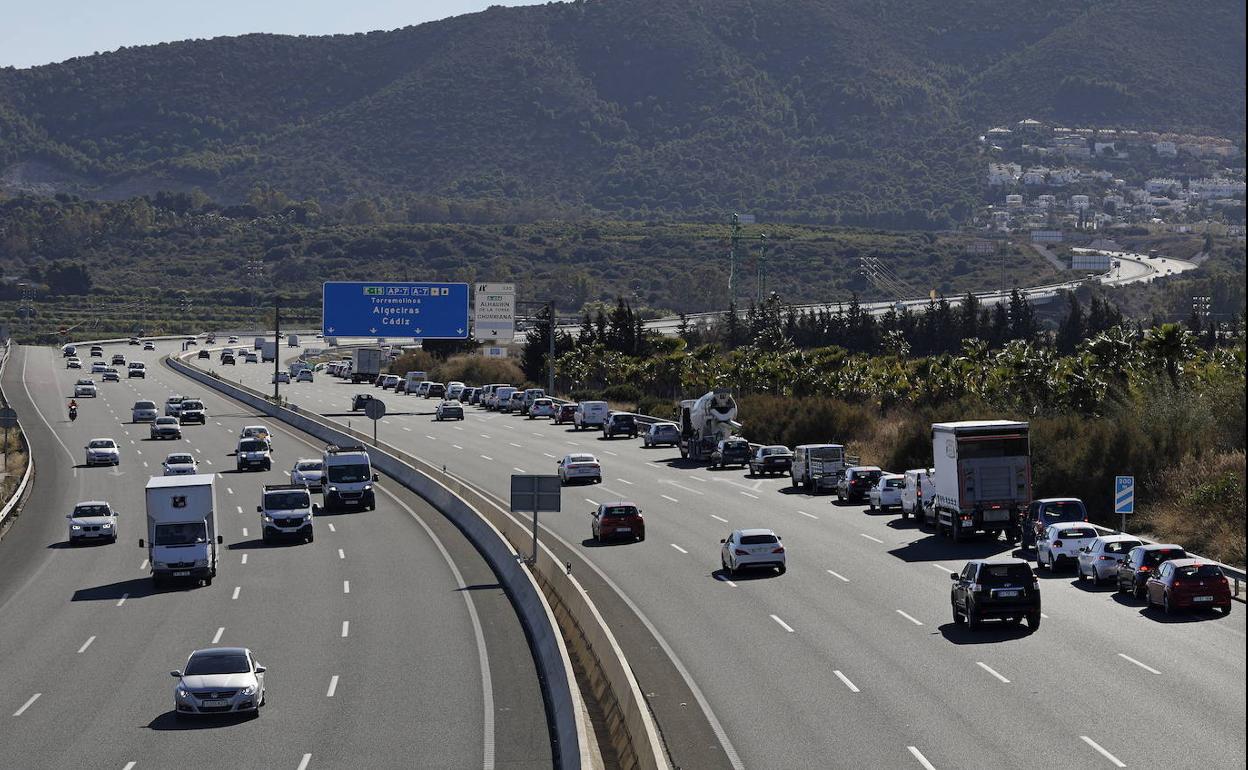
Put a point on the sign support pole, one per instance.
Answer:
(534, 559)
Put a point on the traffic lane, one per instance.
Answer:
(521, 734)
(498, 445)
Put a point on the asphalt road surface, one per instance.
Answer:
(851, 659)
(388, 642)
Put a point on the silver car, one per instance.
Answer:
(102, 451)
(1099, 560)
(219, 680)
(144, 411)
(92, 520)
(308, 473)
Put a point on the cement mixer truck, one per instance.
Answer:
(706, 421)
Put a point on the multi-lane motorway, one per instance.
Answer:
(851, 659)
(388, 642)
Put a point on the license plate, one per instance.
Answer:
(1007, 594)
(215, 703)
(183, 573)
(1202, 598)
(623, 529)
(968, 523)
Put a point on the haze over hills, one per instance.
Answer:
(836, 111)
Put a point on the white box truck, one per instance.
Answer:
(292, 340)
(982, 477)
(268, 350)
(366, 364)
(182, 534)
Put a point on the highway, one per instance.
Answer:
(388, 642)
(850, 659)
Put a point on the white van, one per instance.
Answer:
(453, 389)
(590, 414)
(412, 381)
(347, 479)
(918, 483)
(501, 401)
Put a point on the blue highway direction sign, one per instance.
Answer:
(431, 311)
(1124, 494)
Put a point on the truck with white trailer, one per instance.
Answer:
(366, 364)
(182, 534)
(982, 478)
(706, 421)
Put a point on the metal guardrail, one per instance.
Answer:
(20, 489)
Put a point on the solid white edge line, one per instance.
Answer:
(919, 756)
(303, 763)
(1101, 750)
(783, 625)
(487, 685)
(1130, 659)
(333, 686)
(85, 645)
(910, 618)
(991, 670)
(844, 679)
(27, 704)
(39, 412)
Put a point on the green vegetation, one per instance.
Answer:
(819, 111)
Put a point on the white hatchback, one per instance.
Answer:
(1100, 559)
(887, 492)
(1061, 543)
(751, 548)
(580, 466)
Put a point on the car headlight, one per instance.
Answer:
(333, 489)
(106, 526)
(267, 518)
(201, 563)
(183, 694)
(249, 690)
(368, 487)
(75, 526)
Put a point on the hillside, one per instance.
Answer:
(855, 112)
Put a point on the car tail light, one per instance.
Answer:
(1145, 568)
(1057, 543)
(1178, 584)
(778, 549)
(1104, 558)
(739, 552)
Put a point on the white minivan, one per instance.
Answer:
(502, 399)
(591, 415)
(918, 482)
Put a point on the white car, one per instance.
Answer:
(542, 407)
(1061, 543)
(149, 346)
(887, 492)
(251, 358)
(144, 411)
(281, 377)
(219, 680)
(580, 466)
(164, 427)
(1099, 560)
(232, 340)
(84, 388)
(256, 431)
(751, 548)
(98, 367)
(102, 451)
(308, 473)
(173, 407)
(304, 375)
(73, 363)
(448, 410)
(180, 464)
(92, 520)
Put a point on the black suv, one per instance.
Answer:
(732, 451)
(1141, 564)
(619, 424)
(1004, 588)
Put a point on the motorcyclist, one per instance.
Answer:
(73, 407)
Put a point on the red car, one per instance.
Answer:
(618, 520)
(564, 413)
(1189, 584)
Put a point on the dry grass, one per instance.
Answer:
(1201, 507)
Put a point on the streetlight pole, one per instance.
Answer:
(277, 336)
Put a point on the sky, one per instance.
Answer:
(34, 32)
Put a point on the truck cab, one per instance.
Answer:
(182, 537)
(286, 511)
(348, 478)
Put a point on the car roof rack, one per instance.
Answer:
(335, 449)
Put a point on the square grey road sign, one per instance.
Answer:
(535, 493)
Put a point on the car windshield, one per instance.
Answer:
(775, 450)
(622, 417)
(102, 443)
(145, 405)
(186, 533)
(86, 382)
(180, 460)
(1198, 571)
(869, 475)
(308, 466)
(758, 539)
(581, 459)
(1157, 557)
(286, 501)
(217, 663)
(736, 445)
(91, 510)
(827, 453)
(191, 405)
(1077, 533)
(894, 483)
(347, 474)
(665, 429)
(252, 446)
(166, 421)
(1001, 573)
(1068, 510)
(1120, 546)
(175, 400)
(620, 510)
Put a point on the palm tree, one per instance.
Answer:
(1170, 346)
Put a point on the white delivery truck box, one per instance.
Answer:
(182, 534)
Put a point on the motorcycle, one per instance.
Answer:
(73, 413)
